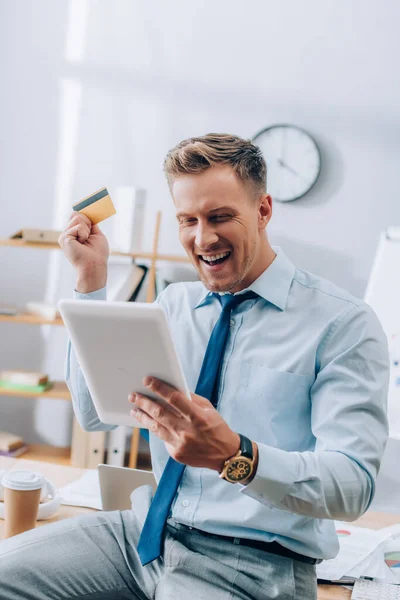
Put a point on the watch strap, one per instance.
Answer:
(246, 447)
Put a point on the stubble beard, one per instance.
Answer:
(215, 286)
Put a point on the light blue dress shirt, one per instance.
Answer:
(305, 375)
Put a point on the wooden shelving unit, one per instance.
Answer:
(44, 452)
(59, 390)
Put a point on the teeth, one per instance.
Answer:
(215, 257)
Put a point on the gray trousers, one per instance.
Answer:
(94, 557)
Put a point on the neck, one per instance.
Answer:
(269, 255)
(265, 258)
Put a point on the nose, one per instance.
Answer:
(205, 236)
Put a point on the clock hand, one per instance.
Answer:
(285, 166)
(283, 144)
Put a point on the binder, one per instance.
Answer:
(96, 447)
(79, 445)
(117, 446)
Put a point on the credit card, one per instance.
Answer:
(97, 206)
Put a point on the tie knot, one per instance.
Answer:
(229, 301)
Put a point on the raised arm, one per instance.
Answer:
(86, 248)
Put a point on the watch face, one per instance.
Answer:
(293, 161)
(239, 469)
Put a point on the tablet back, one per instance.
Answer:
(117, 344)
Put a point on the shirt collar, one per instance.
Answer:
(273, 284)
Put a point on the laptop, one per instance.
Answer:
(117, 484)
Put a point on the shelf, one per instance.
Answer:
(17, 243)
(62, 456)
(59, 391)
(45, 453)
(149, 256)
(25, 317)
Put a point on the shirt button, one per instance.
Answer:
(232, 322)
(185, 503)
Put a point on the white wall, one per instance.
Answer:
(94, 93)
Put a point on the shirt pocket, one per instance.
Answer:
(277, 406)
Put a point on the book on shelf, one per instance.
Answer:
(15, 453)
(126, 230)
(125, 278)
(23, 377)
(34, 389)
(10, 441)
(40, 236)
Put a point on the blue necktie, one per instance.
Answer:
(149, 547)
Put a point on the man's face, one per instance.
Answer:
(221, 227)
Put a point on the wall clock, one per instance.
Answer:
(293, 161)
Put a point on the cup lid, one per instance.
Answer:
(22, 480)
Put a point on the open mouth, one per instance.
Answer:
(215, 259)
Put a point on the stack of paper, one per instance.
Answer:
(84, 491)
(364, 553)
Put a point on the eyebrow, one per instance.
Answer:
(222, 208)
(212, 210)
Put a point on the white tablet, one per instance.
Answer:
(118, 344)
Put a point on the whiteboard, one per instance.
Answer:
(383, 295)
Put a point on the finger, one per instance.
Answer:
(79, 232)
(95, 229)
(65, 237)
(78, 222)
(163, 414)
(174, 397)
(154, 426)
(77, 217)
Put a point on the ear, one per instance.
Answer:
(264, 211)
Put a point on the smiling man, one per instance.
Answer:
(284, 431)
(221, 225)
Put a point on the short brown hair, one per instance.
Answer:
(197, 154)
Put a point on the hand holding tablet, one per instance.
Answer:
(117, 345)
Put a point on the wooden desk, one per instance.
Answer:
(61, 475)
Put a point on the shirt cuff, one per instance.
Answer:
(276, 474)
(100, 294)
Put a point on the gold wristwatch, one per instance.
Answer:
(240, 467)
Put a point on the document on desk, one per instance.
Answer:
(84, 491)
(356, 544)
(374, 566)
(392, 557)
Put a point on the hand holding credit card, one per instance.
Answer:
(84, 244)
(97, 207)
